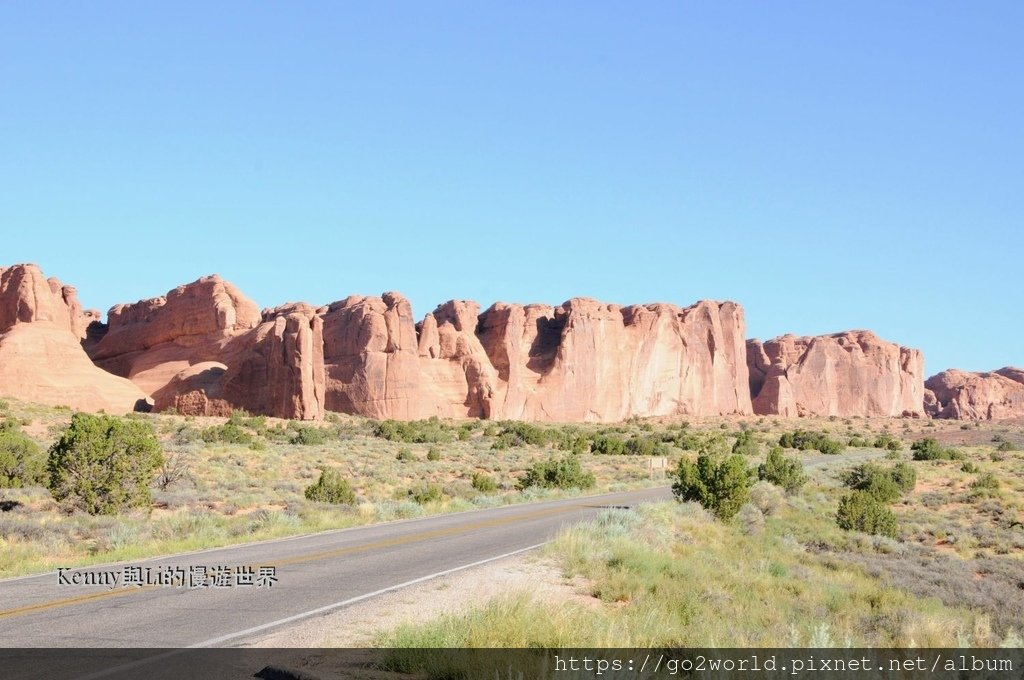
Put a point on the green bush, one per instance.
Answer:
(434, 454)
(331, 488)
(874, 480)
(888, 442)
(431, 431)
(905, 476)
(565, 473)
(969, 467)
(806, 441)
(21, 460)
(745, 444)
(1006, 446)
(645, 446)
(608, 445)
(405, 455)
(103, 464)
(861, 511)
(781, 471)
(484, 483)
(987, 481)
(307, 435)
(858, 442)
(426, 493)
(720, 484)
(232, 432)
(930, 449)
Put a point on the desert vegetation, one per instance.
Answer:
(876, 546)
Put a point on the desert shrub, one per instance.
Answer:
(782, 471)
(484, 483)
(874, 480)
(858, 442)
(608, 445)
(987, 482)
(750, 518)
(997, 456)
(575, 443)
(745, 444)
(464, 433)
(103, 464)
(430, 431)
(930, 449)
(174, 468)
(564, 473)
(806, 440)
(21, 460)
(518, 433)
(645, 446)
(1006, 446)
(405, 455)
(887, 441)
(231, 432)
(905, 477)
(969, 467)
(426, 493)
(434, 454)
(307, 435)
(331, 488)
(719, 483)
(767, 497)
(861, 511)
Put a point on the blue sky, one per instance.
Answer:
(828, 165)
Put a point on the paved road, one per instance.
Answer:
(315, 574)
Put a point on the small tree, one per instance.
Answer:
(721, 485)
(874, 480)
(331, 488)
(781, 471)
(103, 464)
(861, 511)
(21, 460)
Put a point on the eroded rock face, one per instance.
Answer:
(371, 357)
(844, 374)
(590, 361)
(41, 358)
(204, 349)
(964, 395)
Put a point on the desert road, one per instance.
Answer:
(315, 574)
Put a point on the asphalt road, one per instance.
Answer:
(314, 575)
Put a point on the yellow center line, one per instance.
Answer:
(313, 557)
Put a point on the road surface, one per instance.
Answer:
(314, 575)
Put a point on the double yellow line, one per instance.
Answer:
(318, 556)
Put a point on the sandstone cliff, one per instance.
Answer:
(205, 348)
(41, 358)
(844, 374)
(964, 395)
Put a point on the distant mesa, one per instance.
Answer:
(963, 395)
(854, 373)
(205, 348)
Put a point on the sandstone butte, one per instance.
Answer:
(42, 326)
(844, 374)
(964, 395)
(204, 348)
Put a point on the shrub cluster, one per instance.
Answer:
(564, 473)
(426, 493)
(930, 449)
(719, 483)
(430, 431)
(874, 487)
(331, 488)
(888, 442)
(806, 440)
(782, 471)
(484, 483)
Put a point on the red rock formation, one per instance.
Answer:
(845, 374)
(964, 395)
(590, 361)
(41, 359)
(204, 349)
(371, 357)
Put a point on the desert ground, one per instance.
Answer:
(780, 571)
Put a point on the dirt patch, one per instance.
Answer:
(359, 625)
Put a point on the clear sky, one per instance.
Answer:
(828, 165)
